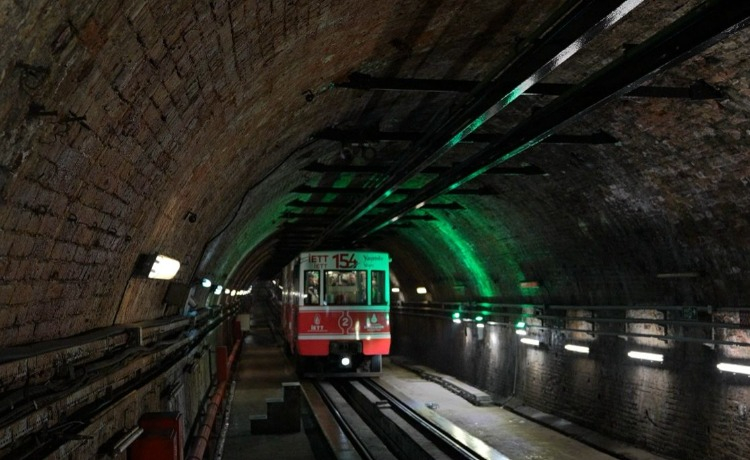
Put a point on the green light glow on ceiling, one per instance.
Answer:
(343, 181)
(467, 255)
(254, 231)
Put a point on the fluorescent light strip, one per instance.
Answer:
(528, 341)
(577, 348)
(646, 356)
(736, 368)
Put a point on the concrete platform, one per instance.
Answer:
(261, 372)
(516, 430)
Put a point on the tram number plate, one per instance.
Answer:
(345, 260)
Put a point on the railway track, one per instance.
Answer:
(374, 421)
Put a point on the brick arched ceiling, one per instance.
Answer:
(598, 147)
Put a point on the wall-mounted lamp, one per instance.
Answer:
(156, 266)
(456, 317)
(206, 283)
(529, 284)
(735, 368)
(656, 357)
(233, 292)
(218, 290)
(421, 290)
(226, 290)
(529, 341)
(395, 290)
(577, 348)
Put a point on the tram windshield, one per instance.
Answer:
(378, 287)
(346, 287)
(312, 287)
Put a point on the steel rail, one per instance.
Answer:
(342, 422)
(443, 440)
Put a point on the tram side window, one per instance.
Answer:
(378, 287)
(312, 287)
(346, 287)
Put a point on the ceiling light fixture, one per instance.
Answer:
(577, 348)
(734, 368)
(655, 357)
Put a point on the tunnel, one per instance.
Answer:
(577, 171)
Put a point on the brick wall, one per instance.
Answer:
(684, 408)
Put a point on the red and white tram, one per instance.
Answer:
(336, 310)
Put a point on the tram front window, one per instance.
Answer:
(378, 287)
(346, 287)
(312, 287)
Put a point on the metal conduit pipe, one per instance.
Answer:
(212, 408)
(225, 427)
(29, 351)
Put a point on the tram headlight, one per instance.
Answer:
(346, 361)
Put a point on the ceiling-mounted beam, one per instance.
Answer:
(401, 191)
(323, 204)
(702, 27)
(354, 136)
(530, 170)
(576, 25)
(698, 90)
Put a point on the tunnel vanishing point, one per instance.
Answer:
(576, 169)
